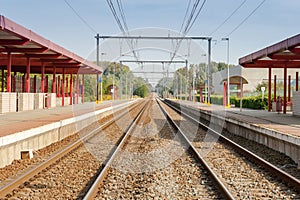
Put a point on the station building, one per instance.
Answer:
(36, 73)
(254, 77)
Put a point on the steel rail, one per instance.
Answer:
(92, 192)
(251, 156)
(8, 188)
(224, 191)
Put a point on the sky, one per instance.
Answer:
(274, 21)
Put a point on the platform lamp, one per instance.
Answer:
(228, 81)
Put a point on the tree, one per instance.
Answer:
(260, 85)
(140, 87)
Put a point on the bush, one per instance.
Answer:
(253, 102)
(216, 99)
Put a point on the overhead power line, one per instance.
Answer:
(121, 21)
(81, 18)
(228, 17)
(189, 22)
(192, 17)
(185, 15)
(196, 16)
(240, 24)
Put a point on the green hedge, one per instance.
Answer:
(254, 102)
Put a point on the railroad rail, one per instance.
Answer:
(184, 142)
(225, 192)
(92, 192)
(266, 166)
(12, 187)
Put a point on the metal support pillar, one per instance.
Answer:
(97, 83)
(187, 81)
(43, 78)
(164, 87)
(23, 83)
(297, 81)
(289, 88)
(126, 86)
(113, 89)
(63, 88)
(2, 86)
(101, 87)
(14, 82)
(225, 93)
(241, 97)
(82, 89)
(58, 86)
(71, 88)
(8, 81)
(284, 89)
(275, 91)
(208, 70)
(121, 83)
(269, 90)
(34, 84)
(193, 88)
(27, 87)
(180, 86)
(77, 88)
(54, 80)
(67, 87)
(46, 84)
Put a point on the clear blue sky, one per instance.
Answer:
(274, 21)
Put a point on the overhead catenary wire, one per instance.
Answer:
(122, 23)
(244, 20)
(189, 28)
(189, 22)
(218, 27)
(81, 18)
(185, 15)
(121, 10)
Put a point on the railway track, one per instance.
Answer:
(158, 155)
(67, 173)
(152, 162)
(245, 174)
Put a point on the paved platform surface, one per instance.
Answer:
(15, 122)
(283, 123)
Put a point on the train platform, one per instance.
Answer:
(35, 129)
(277, 131)
(20, 121)
(283, 123)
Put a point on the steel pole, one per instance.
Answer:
(97, 84)
(193, 92)
(208, 70)
(121, 83)
(187, 80)
(228, 77)
(113, 89)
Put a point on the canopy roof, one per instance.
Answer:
(284, 54)
(235, 80)
(23, 44)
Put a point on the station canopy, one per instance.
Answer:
(23, 44)
(235, 80)
(284, 54)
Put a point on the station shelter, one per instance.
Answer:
(37, 73)
(282, 55)
(202, 90)
(236, 81)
